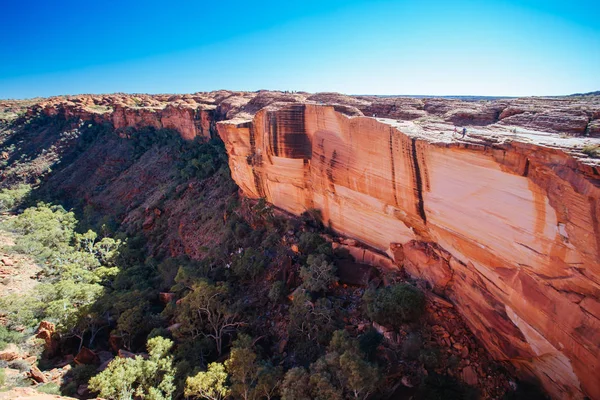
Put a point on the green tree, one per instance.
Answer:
(269, 381)
(295, 385)
(211, 385)
(312, 321)
(208, 311)
(394, 305)
(343, 373)
(242, 367)
(43, 231)
(249, 377)
(151, 379)
(249, 264)
(319, 274)
(277, 291)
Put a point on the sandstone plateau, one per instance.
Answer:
(503, 222)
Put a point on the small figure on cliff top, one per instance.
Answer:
(464, 132)
(455, 131)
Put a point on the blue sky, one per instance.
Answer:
(357, 47)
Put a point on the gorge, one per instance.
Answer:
(502, 221)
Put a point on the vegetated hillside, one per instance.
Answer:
(229, 298)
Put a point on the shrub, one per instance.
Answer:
(151, 378)
(411, 346)
(21, 365)
(11, 198)
(430, 358)
(249, 264)
(211, 384)
(49, 388)
(369, 341)
(277, 291)
(295, 385)
(44, 230)
(343, 373)
(7, 336)
(319, 274)
(394, 305)
(591, 150)
(82, 373)
(310, 322)
(313, 243)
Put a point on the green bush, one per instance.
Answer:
(21, 365)
(319, 274)
(312, 321)
(82, 373)
(343, 373)
(249, 264)
(49, 388)
(295, 385)
(11, 198)
(313, 243)
(277, 291)
(591, 150)
(394, 305)
(369, 341)
(211, 384)
(9, 336)
(43, 231)
(151, 378)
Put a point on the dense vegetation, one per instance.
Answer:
(249, 319)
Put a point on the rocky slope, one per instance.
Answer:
(503, 222)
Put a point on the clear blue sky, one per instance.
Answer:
(486, 47)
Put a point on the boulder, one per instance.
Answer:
(125, 354)
(37, 375)
(469, 376)
(86, 356)
(166, 297)
(10, 353)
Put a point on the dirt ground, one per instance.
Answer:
(17, 272)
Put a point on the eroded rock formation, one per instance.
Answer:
(506, 229)
(503, 222)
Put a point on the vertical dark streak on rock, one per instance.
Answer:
(255, 161)
(273, 133)
(526, 171)
(418, 181)
(595, 225)
(393, 166)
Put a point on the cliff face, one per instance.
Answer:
(506, 229)
(503, 221)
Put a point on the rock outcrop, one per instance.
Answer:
(506, 229)
(503, 222)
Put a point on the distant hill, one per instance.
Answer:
(596, 93)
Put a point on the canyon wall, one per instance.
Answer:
(190, 120)
(508, 231)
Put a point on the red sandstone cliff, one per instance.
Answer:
(503, 222)
(505, 228)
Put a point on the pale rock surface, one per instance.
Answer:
(502, 223)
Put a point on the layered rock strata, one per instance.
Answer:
(506, 229)
(503, 221)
